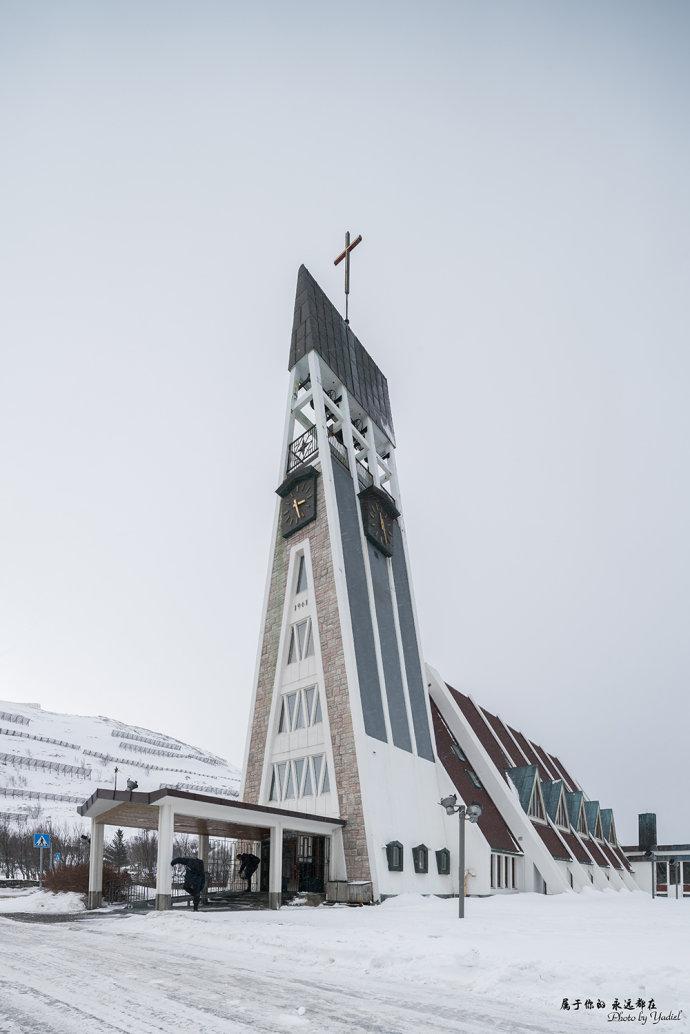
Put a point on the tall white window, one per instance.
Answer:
(300, 709)
(301, 642)
(502, 872)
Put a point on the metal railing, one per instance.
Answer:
(302, 449)
(364, 475)
(340, 452)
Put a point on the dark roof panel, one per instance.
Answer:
(504, 736)
(491, 821)
(552, 841)
(576, 848)
(569, 781)
(611, 855)
(596, 852)
(319, 327)
(532, 756)
(479, 728)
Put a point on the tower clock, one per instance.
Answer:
(379, 514)
(298, 500)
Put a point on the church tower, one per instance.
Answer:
(340, 722)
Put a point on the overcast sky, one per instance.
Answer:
(520, 174)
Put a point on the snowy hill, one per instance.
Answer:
(56, 761)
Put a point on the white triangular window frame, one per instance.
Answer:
(317, 762)
(613, 839)
(308, 779)
(582, 820)
(536, 809)
(301, 641)
(289, 792)
(562, 812)
(598, 831)
(299, 775)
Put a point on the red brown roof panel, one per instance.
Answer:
(576, 848)
(611, 855)
(532, 756)
(597, 854)
(552, 841)
(623, 859)
(570, 782)
(491, 822)
(478, 726)
(513, 754)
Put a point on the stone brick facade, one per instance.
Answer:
(336, 688)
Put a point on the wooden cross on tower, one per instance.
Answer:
(346, 255)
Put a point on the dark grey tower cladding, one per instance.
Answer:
(389, 667)
(318, 326)
(647, 831)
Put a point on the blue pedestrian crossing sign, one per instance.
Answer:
(57, 857)
(41, 839)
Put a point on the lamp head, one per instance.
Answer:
(474, 812)
(450, 803)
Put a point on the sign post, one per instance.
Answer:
(41, 841)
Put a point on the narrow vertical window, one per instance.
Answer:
(493, 871)
(290, 785)
(299, 771)
(273, 794)
(291, 701)
(309, 642)
(318, 717)
(308, 782)
(292, 653)
(283, 723)
(301, 575)
(299, 722)
(326, 788)
(318, 764)
(281, 779)
(309, 702)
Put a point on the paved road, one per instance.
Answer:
(105, 976)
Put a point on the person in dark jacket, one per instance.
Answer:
(249, 863)
(194, 878)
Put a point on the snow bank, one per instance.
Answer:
(41, 901)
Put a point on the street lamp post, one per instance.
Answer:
(465, 814)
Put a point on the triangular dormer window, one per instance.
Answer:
(536, 804)
(581, 821)
(561, 813)
(613, 839)
(598, 832)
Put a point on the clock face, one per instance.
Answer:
(298, 506)
(378, 525)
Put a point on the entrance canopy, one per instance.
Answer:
(176, 811)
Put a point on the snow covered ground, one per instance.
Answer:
(408, 965)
